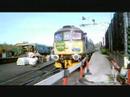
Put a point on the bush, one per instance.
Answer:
(104, 51)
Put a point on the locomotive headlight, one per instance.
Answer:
(55, 57)
(76, 57)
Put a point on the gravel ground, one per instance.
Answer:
(8, 71)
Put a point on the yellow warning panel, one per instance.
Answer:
(67, 64)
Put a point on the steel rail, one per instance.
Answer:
(54, 78)
(31, 75)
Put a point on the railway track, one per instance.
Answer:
(35, 75)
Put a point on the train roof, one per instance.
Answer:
(69, 28)
(27, 44)
(24, 44)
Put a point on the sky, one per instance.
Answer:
(39, 27)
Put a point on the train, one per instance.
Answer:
(69, 46)
(34, 47)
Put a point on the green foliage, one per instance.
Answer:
(10, 48)
(5, 47)
(104, 51)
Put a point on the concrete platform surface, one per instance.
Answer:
(100, 71)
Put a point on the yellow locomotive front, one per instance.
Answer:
(69, 46)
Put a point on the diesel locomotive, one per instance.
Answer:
(69, 46)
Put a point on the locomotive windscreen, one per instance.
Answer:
(58, 37)
(76, 35)
(68, 35)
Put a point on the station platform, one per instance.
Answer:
(73, 77)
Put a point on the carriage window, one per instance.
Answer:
(76, 35)
(67, 35)
(58, 37)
